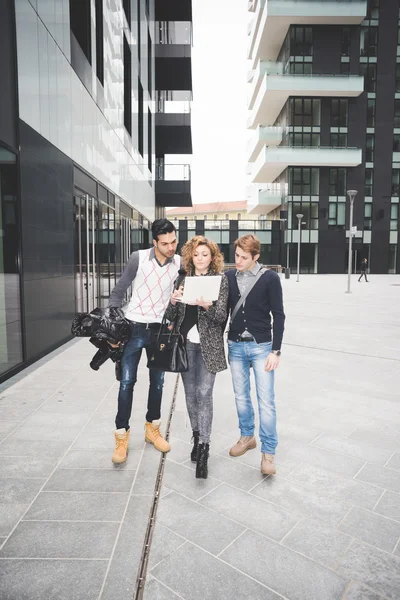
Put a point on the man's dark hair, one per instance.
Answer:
(160, 227)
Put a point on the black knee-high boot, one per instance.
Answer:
(195, 439)
(202, 459)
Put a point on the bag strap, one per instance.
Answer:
(246, 293)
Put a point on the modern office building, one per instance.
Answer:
(84, 148)
(324, 118)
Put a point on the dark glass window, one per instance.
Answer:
(149, 64)
(140, 118)
(396, 142)
(367, 216)
(394, 217)
(99, 41)
(337, 182)
(368, 70)
(305, 112)
(345, 49)
(127, 10)
(369, 149)
(397, 113)
(127, 87)
(339, 140)
(80, 23)
(345, 68)
(373, 10)
(396, 182)
(369, 182)
(303, 181)
(397, 77)
(10, 309)
(150, 139)
(369, 41)
(301, 43)
(371, 112)
(339, 112)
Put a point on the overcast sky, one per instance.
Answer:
(219, 100)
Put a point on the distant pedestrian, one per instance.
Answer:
(363, 272)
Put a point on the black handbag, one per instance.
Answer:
(168, 351)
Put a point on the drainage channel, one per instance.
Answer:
(144, 559)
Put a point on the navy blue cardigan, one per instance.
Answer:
(264, 299)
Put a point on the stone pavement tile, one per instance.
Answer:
(154, 590)
(34, 432)
(90, 480)
(298, 431)
(373, 454)
(181, 479)
(19, 409)
(206, 577)
(234, 473)
(10, 514)
(389, 506)
(371, 528)
(357, 591)
(180, 451)
(77, 506)
(285, 571)
(189, 519)
(252, 458)
(338, 487)
(377, 434)
(269, 519)
(45, 539)
(13, 447)
(302, 501)
(343, 465)
(7, 427)
(27, 466)
(394, 462)
(315, 540)
(146, 477)
(20, 491)
(380, 476)
(375, 568)
(121, 578)
(163, 543)
(51, 579)
(99, 459)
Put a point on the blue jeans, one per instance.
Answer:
(242, 356)
(140, 338)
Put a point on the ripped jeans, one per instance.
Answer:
(199, 383)
(140, 338)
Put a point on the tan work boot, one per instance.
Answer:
(153, 436)
(267, 464)
(246, 442)
(121, 446)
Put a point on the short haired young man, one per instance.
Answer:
(152, 272)
(250, 344)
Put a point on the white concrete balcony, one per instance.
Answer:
(263, 136)
(272, 161)
(274, 91)
(262, 202)
(276, 16)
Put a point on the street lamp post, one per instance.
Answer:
(299, 218)
(351, 194)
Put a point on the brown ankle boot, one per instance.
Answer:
(267, 464)
(246, 442)
(121, 446)
(153, 436)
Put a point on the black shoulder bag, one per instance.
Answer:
(168, 351)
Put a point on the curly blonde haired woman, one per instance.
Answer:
(202, 324)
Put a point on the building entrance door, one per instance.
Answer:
(87, 291)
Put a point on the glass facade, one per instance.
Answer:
(11, 352)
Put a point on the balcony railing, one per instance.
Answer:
(216, 225)
(173, 101)
(174, 32)
(172, 172)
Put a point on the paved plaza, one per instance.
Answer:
(326, 527)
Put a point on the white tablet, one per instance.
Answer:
(207, 287)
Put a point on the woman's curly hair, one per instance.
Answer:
(188, 250)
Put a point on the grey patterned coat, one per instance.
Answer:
(211, 325)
